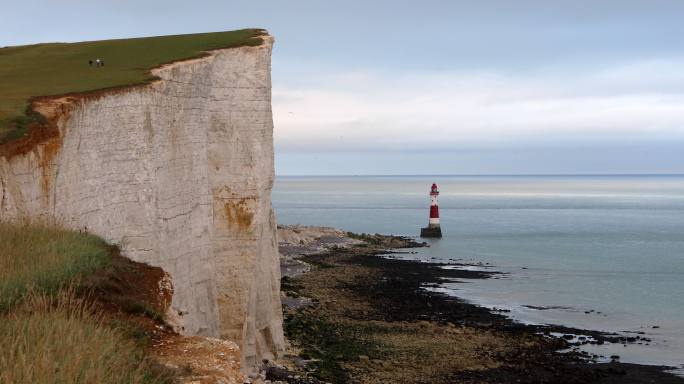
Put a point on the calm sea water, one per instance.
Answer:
(613, 245)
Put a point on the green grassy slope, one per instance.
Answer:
(51, 333)
(61, 68)
(44, 257)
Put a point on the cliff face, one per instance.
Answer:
(179, 174)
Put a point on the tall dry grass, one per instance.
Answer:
(45, 257)
(59, 338)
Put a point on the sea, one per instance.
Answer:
(599, 252)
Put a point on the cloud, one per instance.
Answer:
(397, 111)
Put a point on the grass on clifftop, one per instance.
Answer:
(61, 68)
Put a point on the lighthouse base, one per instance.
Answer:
(431, 231)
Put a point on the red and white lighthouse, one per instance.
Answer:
(433, 229)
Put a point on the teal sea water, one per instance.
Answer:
(609, 245)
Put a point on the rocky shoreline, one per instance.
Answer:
(354, 316)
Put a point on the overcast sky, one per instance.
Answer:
(436, 87)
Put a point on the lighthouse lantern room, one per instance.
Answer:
(433, 229)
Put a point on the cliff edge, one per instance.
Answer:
(178, 173)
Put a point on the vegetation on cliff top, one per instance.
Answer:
(51, 329)
(62, 68)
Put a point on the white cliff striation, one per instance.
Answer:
(178, 173)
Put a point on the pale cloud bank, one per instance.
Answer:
(437, 86)
(392, 111)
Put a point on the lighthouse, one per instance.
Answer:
(433, 229)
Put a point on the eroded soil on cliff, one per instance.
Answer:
(136, 296)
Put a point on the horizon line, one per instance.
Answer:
(480, 174)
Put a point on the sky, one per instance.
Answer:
(434, 86)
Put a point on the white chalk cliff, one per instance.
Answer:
(178, 173)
